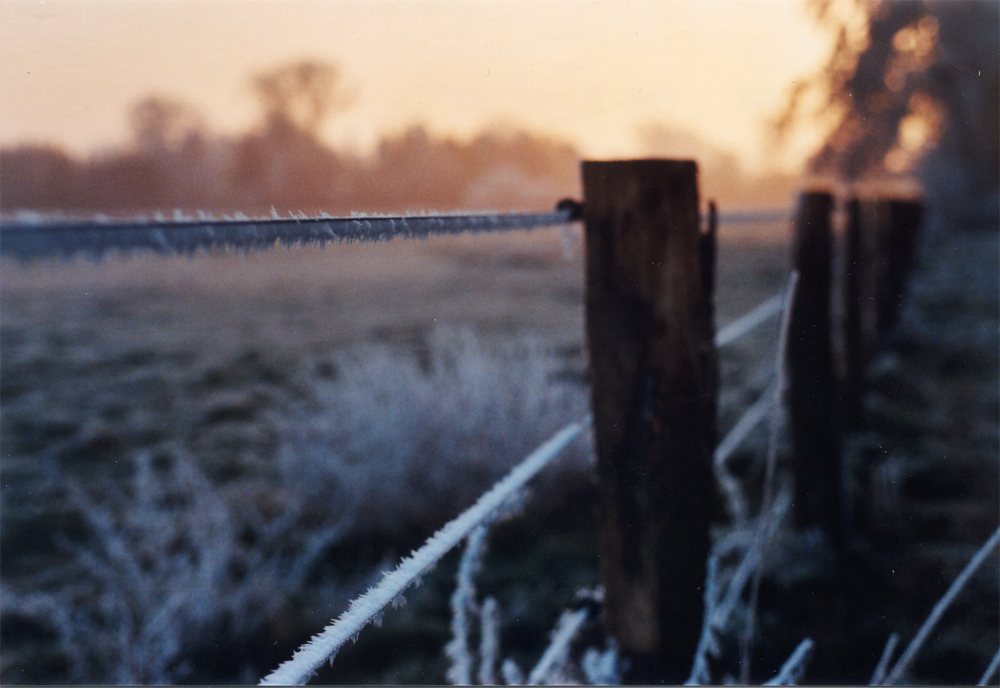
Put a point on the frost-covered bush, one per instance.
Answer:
(163, 565)
(414, 437)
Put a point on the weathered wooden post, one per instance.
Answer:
(898, 243)
(852, 387)
(654, 372)
(812, 394)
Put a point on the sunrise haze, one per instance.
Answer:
(589, 73)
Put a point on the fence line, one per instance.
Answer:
(38, 238)
(883, 261)
(368, 607)
(27, 236)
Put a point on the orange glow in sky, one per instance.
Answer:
(588, 72)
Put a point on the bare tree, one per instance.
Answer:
(300, 96)
(911, 86)
(162, 125)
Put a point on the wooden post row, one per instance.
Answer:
(812, 386)
(893, 242)
(880, 251)
(852, 385)
(654, 391)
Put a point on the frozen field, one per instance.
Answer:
(249, 438)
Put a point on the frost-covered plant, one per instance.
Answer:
(942, 605)
(422, 436)
(163, 568)
(463, 605)
(553, 667)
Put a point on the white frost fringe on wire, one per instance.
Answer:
(312, 654)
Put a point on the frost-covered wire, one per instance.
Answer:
(939, 609)
(34, 237)
(794, 667)
(750, 320)
(312, 654)
(558, 650)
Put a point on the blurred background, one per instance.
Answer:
(371, 104)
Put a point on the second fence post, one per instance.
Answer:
(812, 393)
(654, 372)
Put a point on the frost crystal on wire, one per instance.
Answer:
(39, 237)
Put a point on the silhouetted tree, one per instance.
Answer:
(300, 96)
(911, 86)
(161, 125)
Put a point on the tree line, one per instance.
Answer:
(174, 161)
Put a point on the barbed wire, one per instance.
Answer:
(30, 236)
(27, 238)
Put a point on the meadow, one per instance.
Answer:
(205, 459)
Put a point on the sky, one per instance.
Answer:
(584, 71)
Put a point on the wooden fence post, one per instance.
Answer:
(654, 379)
(897, 236)
(853, 340)
(812, 394)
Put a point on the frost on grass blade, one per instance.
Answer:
(794, 668)
(939, 609)
(311, 655)
(555, 655)
(463, 605)
(602, 668)
(489, 643)
(990, 670)
(511, 672)
(883, 662)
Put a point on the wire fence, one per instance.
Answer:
(368, 608)
(31, 238)
(28, 236)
